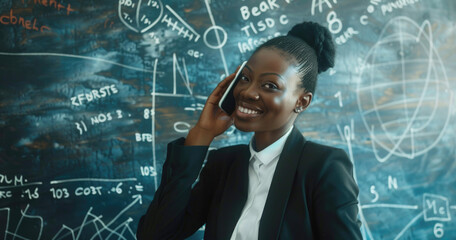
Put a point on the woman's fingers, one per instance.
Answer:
(212, 118)
(213, 121)
(222, 86)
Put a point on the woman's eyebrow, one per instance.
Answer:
(271, 73)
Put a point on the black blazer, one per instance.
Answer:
(312, 196)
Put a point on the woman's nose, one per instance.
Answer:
(250, 92)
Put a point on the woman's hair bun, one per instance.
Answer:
(319, 38)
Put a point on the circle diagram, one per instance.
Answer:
(140, 16)
(403, 92)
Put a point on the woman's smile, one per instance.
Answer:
(247, 111)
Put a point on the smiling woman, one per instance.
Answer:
(266, 96)
(280, 186)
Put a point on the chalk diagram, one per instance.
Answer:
(403, 74)
(405, 105)
(92, 226)
(141, 16)
(220, 42)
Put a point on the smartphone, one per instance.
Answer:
(227, 102)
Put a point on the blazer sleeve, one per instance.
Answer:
(335, 199)
(178, 210)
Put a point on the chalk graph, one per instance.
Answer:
(141, 16)
(403, 73)
(434, 208)
(183, 74)
(92, 226)
(33, 225)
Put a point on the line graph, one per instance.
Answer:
(31, 226)
(33, 222)
(102, 230)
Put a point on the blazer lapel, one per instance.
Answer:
(281, 185)
(234, 195)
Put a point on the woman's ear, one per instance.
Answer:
(304, 100)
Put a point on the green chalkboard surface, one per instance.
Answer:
(92, 91)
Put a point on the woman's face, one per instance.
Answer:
(267, 93)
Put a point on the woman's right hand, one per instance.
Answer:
(213, 121)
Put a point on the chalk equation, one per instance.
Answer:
(17, 186)
(92, 224)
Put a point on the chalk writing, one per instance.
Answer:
(398, 4)
(339, 96)
(343, 38)
(53, 4)
(100, 118)
(59, 193)
(263, 25)
(263, 7)
(392, 182)
(148, 171)
(84, 98)
(143, 137)
(195, 53)
(12, 19)
(148, 113)
(31, 194)
(15, 180)
(438, 230)
(335, 24)
(252, 44)
(375, 193)
(5, 194)
(86, 191)
(319, 4)
(437, 206)
(81, 127)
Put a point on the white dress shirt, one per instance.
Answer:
(262, 165)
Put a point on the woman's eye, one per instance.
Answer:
(270, 86)
(244, 78)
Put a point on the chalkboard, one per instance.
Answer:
(92, 91)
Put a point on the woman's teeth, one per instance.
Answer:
(247, 111)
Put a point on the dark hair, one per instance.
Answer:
(311, 46)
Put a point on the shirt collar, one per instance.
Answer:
(268, 154)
